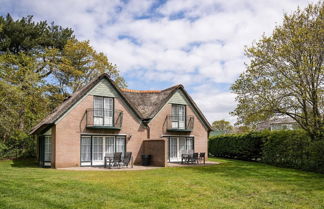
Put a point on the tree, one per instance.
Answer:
(80, 63)
(285, 75)
(40, 65)
(222, 125)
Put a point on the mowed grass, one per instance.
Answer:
(232, 184)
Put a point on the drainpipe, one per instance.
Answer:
(145, 122)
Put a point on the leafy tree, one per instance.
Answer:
(80, 63)
(285, 75)
(40, 65)
(222, 125)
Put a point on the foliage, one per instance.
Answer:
(230, 184)
(293, 149)
(285, 75)
(222, 125)
(41, 64)
(237, 146)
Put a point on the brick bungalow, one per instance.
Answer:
(101, 118)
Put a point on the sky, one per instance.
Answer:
(158, 44)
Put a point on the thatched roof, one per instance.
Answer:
(145, 104)
(148, 102)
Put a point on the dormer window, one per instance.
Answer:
(103, 111)
(178, 116)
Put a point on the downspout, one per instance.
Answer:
(145, 122)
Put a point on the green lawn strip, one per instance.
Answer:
(231, 184)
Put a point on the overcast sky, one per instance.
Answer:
(157, 44)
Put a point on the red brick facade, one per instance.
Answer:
(67, 131)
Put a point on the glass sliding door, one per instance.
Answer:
(120, 144)
(173, 146)
(109, 145)
(48, 149)
(190, 144)
(86, 150)
(93, 149)
(179, 146)
(45, 151)
(97, 150)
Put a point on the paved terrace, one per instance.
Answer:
(137, 167)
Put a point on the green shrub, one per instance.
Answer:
(286, 148)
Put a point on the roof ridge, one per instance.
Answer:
(141, 91)
(173, 87)
(150, 91)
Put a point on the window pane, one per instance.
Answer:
(182, 145)
(48, 148)
(189, 143)
(85, 148)
(109, 145)
(97, 145)
(108, 112)
(120, 144)
(98, 106)
(178, 116)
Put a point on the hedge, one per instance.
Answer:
(292, 149)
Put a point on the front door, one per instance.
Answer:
(179, 146)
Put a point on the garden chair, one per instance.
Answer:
(127, 159)
(184, 156)
(117, 159)
(194, 158)
(108, 160)
(202, 156)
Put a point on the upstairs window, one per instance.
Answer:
(103, 111)
(178, 116)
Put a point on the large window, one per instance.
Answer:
(178, 146)
(103, 111)
(47, 148)
(86, 148)
(95, 148)
(178, 116)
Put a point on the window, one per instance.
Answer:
(85, 148)
(103, 111)
(97, 144)
(48, 148)
(178, 116)
(93, 149)
(109, 145)
(120, 144)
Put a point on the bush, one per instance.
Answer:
(293, 149)
(22, 146)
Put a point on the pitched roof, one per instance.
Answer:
(148, 102)
(145, 104)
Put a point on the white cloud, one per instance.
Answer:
(197, 43)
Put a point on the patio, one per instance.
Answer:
(136, 167)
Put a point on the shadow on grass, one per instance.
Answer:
(24, 163)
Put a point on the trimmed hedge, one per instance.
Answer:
(292, 149)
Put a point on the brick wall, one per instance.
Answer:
(157, 149)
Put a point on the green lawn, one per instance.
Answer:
(232, 184)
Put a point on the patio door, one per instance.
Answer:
(95, 148)
(173, 149)
(179, 146)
